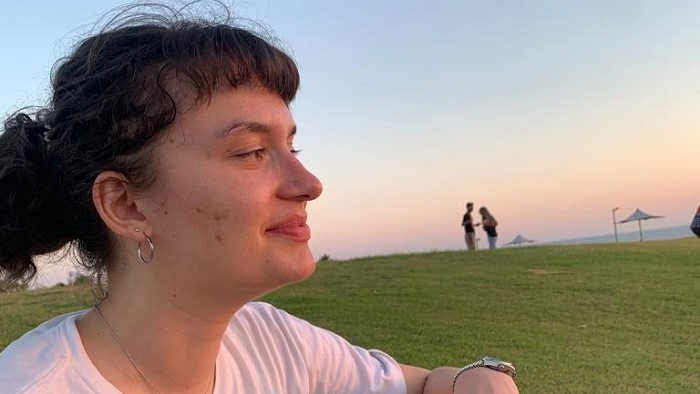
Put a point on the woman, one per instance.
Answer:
(166, 156)
(489, 225)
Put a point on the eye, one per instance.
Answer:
(256, 154)
(294, 151)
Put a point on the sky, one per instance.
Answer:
(549, 113)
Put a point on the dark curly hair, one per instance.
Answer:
(112, 97)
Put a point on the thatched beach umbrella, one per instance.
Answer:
(640, 215)
(519, 240)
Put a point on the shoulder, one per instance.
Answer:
(291, 342)
(35, 361)
(264, 322)
(270, 340)
(259, 313)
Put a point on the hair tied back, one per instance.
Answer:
(45, 134)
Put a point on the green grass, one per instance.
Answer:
(615, 318)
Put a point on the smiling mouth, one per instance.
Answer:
(294, 229)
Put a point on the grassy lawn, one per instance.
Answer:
(615, 318)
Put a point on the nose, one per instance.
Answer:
(298, 183)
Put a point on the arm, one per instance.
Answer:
(473, 381)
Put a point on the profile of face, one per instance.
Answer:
(228, 206)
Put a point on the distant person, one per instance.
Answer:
(695, 225)
(490, 223)
(468, 224)
(166, 156)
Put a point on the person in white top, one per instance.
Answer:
(166, 156)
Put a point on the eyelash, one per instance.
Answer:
(258, 153)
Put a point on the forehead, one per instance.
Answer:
(229, 107)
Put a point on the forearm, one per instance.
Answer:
(439, 381)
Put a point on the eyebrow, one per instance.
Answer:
(248, 127)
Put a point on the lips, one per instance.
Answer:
(293, 228)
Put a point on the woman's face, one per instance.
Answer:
(228, 207)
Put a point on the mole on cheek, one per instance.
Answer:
(219, 238)
(199, 210)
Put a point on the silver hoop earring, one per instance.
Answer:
(150, 253)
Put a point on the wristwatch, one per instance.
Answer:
(488, 362)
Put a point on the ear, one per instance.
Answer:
(115, 203)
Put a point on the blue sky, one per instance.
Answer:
(550, 113)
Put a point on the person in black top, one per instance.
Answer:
(468, 223)
(490, 224)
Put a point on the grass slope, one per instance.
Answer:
(614, 318)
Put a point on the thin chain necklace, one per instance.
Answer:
(133, 362)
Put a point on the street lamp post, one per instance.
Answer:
(615, 222)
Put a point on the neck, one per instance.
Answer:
(172, 337)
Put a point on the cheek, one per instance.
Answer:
(219, 213)
(213, 205)
(185, 206)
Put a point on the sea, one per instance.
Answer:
(656, 234)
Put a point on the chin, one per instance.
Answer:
(300, 268)
(306, 267)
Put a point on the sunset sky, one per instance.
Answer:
(550, 113)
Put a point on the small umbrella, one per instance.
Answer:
(519, 240)
(640, 215)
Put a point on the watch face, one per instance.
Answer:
(499, 365)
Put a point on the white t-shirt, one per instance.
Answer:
(264, 350)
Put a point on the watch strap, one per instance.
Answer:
(488, 362)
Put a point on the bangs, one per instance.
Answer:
(206, 58)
